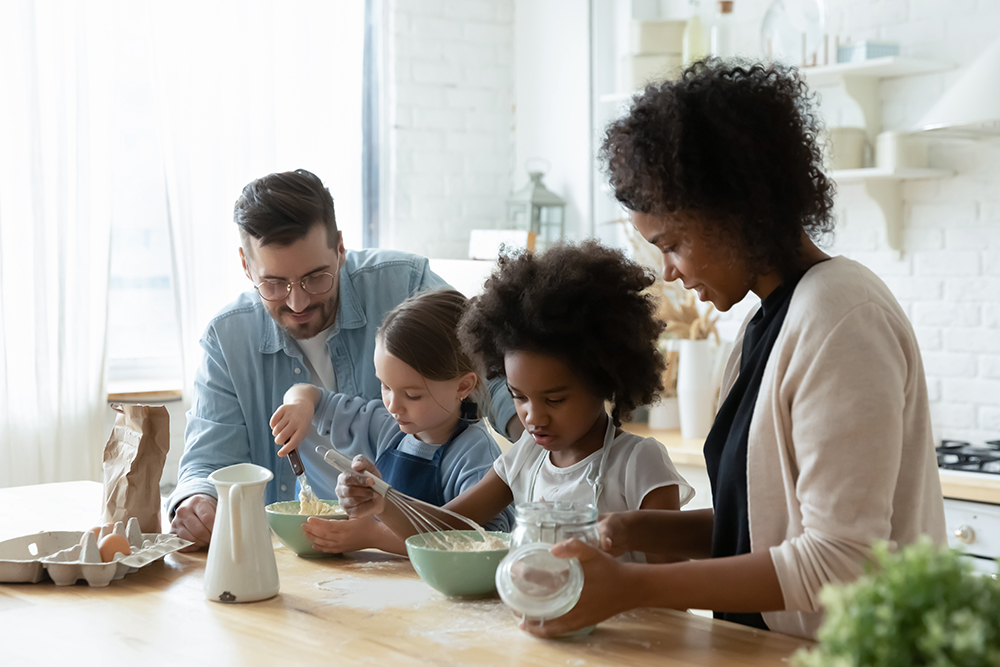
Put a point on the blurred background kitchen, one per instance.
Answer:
(127, 131)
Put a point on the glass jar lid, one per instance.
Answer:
(538, 585)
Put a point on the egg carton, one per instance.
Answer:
(68, 556)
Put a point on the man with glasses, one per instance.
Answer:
(311, 317)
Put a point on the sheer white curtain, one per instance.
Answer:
(54, 239)
(245, 89)
(233, 90)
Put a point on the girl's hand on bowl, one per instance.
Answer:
(354, 490)
(334, 537)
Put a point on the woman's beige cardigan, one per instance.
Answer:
(840, 451)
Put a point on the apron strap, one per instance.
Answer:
(596, 481)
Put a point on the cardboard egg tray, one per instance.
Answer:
(68, 556)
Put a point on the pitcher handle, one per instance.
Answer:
(235, 519)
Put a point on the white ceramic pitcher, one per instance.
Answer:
(241, 565)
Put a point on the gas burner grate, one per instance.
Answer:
(961, 455)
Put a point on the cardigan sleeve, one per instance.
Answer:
(847, 395)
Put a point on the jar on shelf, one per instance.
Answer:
(530, 580)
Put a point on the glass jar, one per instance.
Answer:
(532, 581)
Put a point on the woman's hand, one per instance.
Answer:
(335, 536)
(608, 590)
(354, 490)
(615, 528)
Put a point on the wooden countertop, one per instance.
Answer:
(367, 608)
(688, 452)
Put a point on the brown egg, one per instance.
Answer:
(112, 544)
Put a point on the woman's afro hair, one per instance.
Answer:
(734, 141)
(585, 304)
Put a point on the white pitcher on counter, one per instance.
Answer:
(699, 376)
(241, 565)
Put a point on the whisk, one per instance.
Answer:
(414, 509)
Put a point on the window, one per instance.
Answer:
(255, 88)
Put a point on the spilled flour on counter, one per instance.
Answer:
(374, 595)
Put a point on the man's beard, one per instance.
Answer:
(327, 314)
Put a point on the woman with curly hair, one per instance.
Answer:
(571, 329)
(822, 443)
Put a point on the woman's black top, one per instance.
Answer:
(726, 444)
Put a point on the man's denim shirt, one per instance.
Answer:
(250, 362)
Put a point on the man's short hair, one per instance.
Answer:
(280, 209)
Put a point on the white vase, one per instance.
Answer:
(696, 387)
(664, 415)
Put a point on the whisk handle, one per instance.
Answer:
(343, 464)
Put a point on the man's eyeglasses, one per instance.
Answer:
(276, 290)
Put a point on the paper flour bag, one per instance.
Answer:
(133, 464)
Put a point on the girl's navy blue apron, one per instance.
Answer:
(415, 476)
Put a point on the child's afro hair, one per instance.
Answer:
(585, 304)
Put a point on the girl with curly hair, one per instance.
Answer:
(572, 330)
(822, 443)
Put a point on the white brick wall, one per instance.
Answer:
(449, 139)
(949, 277)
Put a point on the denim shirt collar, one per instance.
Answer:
(350, 315)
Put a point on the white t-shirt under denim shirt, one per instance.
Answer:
(634, 467)
(317, 359)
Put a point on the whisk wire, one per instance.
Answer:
(423, 516)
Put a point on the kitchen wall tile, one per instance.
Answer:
(972, 340)
(953, 415)
(970, 392)
(991, 315)
(943, 314)
(949, 364)
(989, 419)
(947, 263)
(471, 9)
(989, 366)
(916, 289)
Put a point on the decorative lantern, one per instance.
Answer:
(537, 209)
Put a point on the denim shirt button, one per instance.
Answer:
(298, 370)
(284, 488)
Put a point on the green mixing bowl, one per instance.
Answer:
(459, 574)
(286, 523)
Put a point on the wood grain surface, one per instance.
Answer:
(366, 608)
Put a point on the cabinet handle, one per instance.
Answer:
(965, 534)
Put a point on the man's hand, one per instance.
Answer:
(194, 519)
(354, 490)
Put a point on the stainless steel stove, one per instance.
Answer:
(973, 527)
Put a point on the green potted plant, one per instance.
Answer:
(920, 605)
